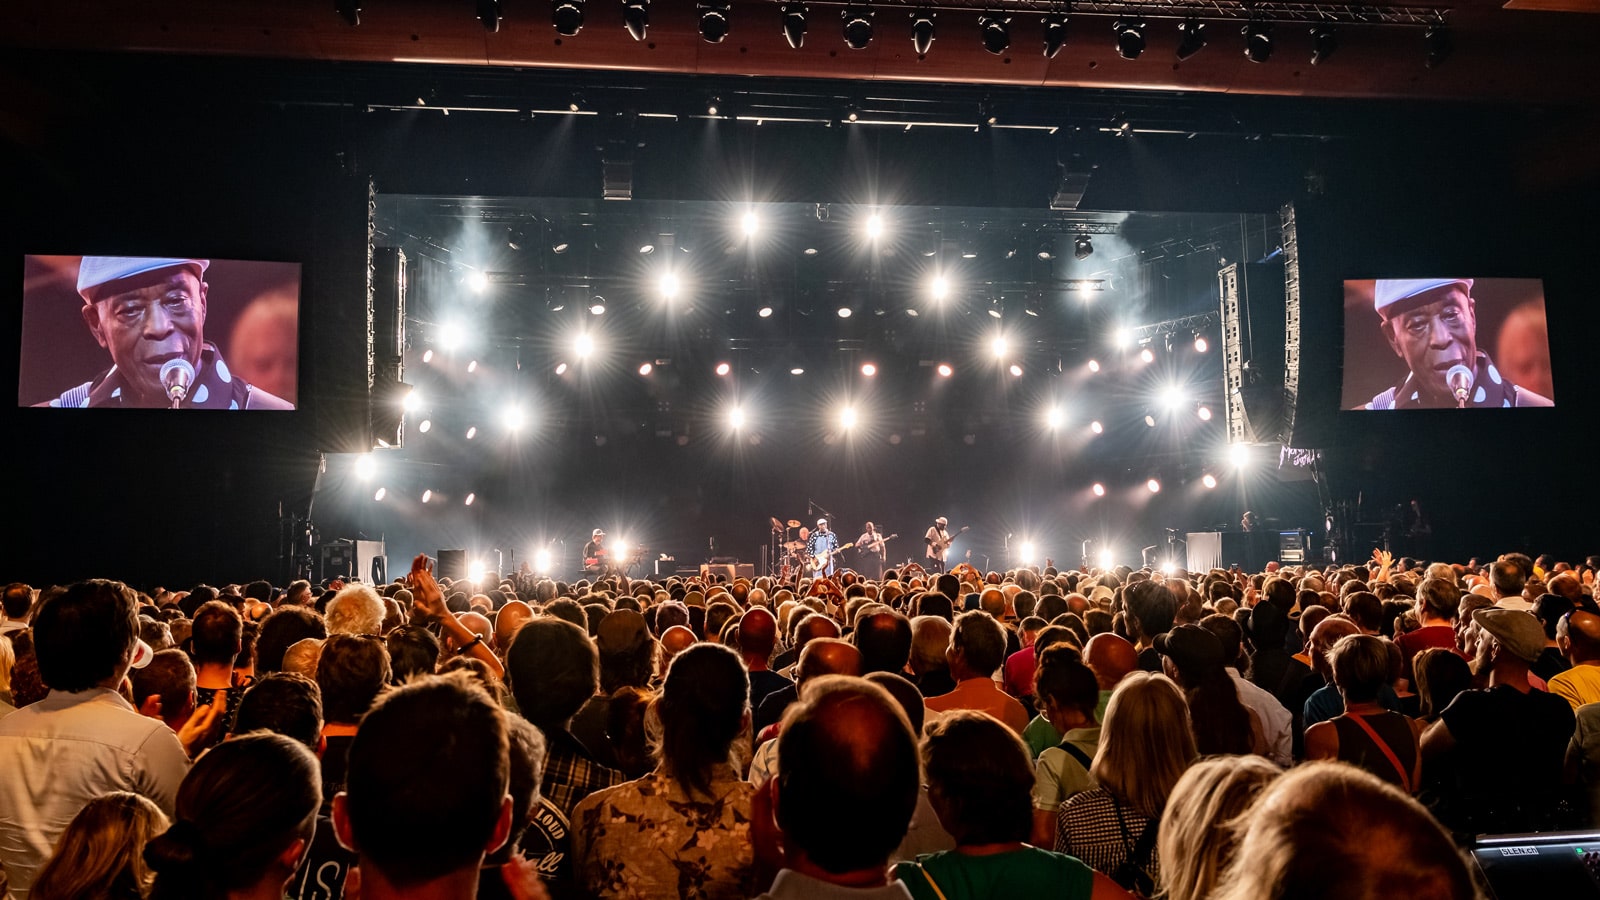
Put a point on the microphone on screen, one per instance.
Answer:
(176, 376)
(1459, 378)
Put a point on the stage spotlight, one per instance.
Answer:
(349, 11)
(1147, 355)
(1324, 41)
(560, 246)
(541, 562)
(1045, 253)
(1239, 455)
(425, 426)
(469, 499)
(478, 282)
(636, 18)
(366, 467)
(1094, 365)
(750, 224)
(646, 368)
(1027, 553)
(412, 401)
(568, 17)
(514, 418)
(1015, 370)
(583, 346)
(996, 32)
(380, 494)
(939, 288)
(1204, 412)
(1098, 489)
(999, 347)
(1150, 419)
(427, 355)
(764, 312)
(449, 336)
(1123, 337)
(711, 108)
(847, 417)
(1053, 418)
(427, 495)
(857, 27)
(922, 33)
(1130, 38)
(489, 14)
(723, 368)
(561, 368)
(1437, 43)
(1153, 486)
(794, 24)
(736, 418)
(797, 370)
(472, 432)
(868, 369)
(714, 20)
(1193, 38)
(874, 227)
(846, 312)
(1201, 345)
(647, 249)
(1172, 397)
(620, 548)
(1210, 481)
(1055, 34)
(1096, 427)
(1258, 41)
(945, 370)
(668, 286)
(1108, 559)
(1082, 247)
(472, 367)
(597, 308)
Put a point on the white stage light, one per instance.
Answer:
(945, 370)
(478, 281)
(723, 368)
(868, 369)
(1123, 337)
(847, 417)
(449, 336)
(845, 312)
(426, 426)
(1239, 455)
(736, 418)
(427, 355)
(541, 562)
(1147, 355)
(1027, 556)
(470, 498)
(1204, 412)
(668, 286)
(1153, 486)
(620, 548)
(1099, 489)
(427, 495)
(583, 346)
(514, 418)
(472, 367)
(645, 368)
(1172, 397)
(561, 368)
(1210, 481)
(939, 288)
(1053, 418)
(1096, 427)
(750, 224)
(1107, 559)
(1094, 365)
(597, 309)
(413, 401)
(381, 493)
(366, 467)
(1201, 345)
(874, 227)
(1016, 371)
(999, 347)
(764, 312)
(1150, 420)
(797, 370)
(472, 432)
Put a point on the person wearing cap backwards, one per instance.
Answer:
(1432, 324)
(822, 541)
(938, 541)
(84, 738)
(147, 311)
(594, 554)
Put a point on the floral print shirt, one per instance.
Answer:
(647, 838)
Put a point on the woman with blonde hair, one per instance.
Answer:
(101, 853)
(1146, 744)
(1196, 837)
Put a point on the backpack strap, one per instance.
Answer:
(931, 883)
(1076, 753)
(1405, 777)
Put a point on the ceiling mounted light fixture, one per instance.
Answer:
(714, 15)
(794, 24)
(1192, 38)
(857, 26)
(567, 17)
(349, 11)
(996, 29)
(1258, 41)
(1082, 247)
(489, 14)
(1055, 34)
(1324, 40)
(922, 33)
(1130, 38)
(636, 18)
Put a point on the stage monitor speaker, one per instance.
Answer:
(452, 565)
(338, 560)
(371, 563)
(665, 566)
(707, 570)
(745, 570)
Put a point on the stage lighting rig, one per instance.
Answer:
(489, 14)
(1055, 34)
(794, 24)
(996, 29)
(1192, 38)
(857, 26)
(1258, 41)
(1130, 38)
(714, 16)
(636, 18)
(1082, 247)
(1324, 40)
(567, 17)
(922, 33)
(349, 11)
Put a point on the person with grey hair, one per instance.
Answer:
(930, 671)
(356, 609)
(1366, 735)
(977, 648)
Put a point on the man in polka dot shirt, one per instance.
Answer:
(1432, 324)
(147, 311)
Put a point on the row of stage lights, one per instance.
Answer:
(858, 28)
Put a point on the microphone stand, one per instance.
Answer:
(813, 505)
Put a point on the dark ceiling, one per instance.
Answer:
(1522, 53)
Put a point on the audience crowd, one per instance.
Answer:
(1299, 732)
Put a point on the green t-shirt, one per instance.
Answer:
(1029, 872)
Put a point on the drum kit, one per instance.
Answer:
(789, 547)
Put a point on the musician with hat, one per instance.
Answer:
(595, 555)
(938, 541)
(822, 545)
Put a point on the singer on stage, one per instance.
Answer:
(1432, 324)
(821, 545)
(149, 313)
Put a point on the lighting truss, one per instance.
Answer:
(1278, 11)
(1184, 324)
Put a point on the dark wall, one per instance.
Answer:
(257, 160)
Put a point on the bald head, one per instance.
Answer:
(758, 634)
(675, 640)
(1324, 636)
(828, 656)
(815, 625)
(479, 625)
(1111, 657)
(512, 616)
(1578, 636)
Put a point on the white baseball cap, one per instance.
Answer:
(599, 533)
(941, 521)
(94, 271)
(1389, 291)
(822, 523)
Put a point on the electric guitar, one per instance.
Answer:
(937, 547)
(820, 561)
(876, 547)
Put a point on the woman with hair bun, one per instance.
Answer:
(99, 855)
(245, 816)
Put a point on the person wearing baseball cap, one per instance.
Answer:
(938, 541)
(822, 547)
(594, 554)
(150, 313)
(1432, 324)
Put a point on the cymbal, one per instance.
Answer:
(776, 525)
(794, 523)
(795, 545)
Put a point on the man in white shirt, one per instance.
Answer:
(1277, 723)
(83, 739)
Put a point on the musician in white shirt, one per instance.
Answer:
(938, 541)
(870, 552)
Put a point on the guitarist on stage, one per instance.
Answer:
(870, 549)
(596, 559)
(938, 541)
(825, 544)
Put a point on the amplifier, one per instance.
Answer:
(1292, 546)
